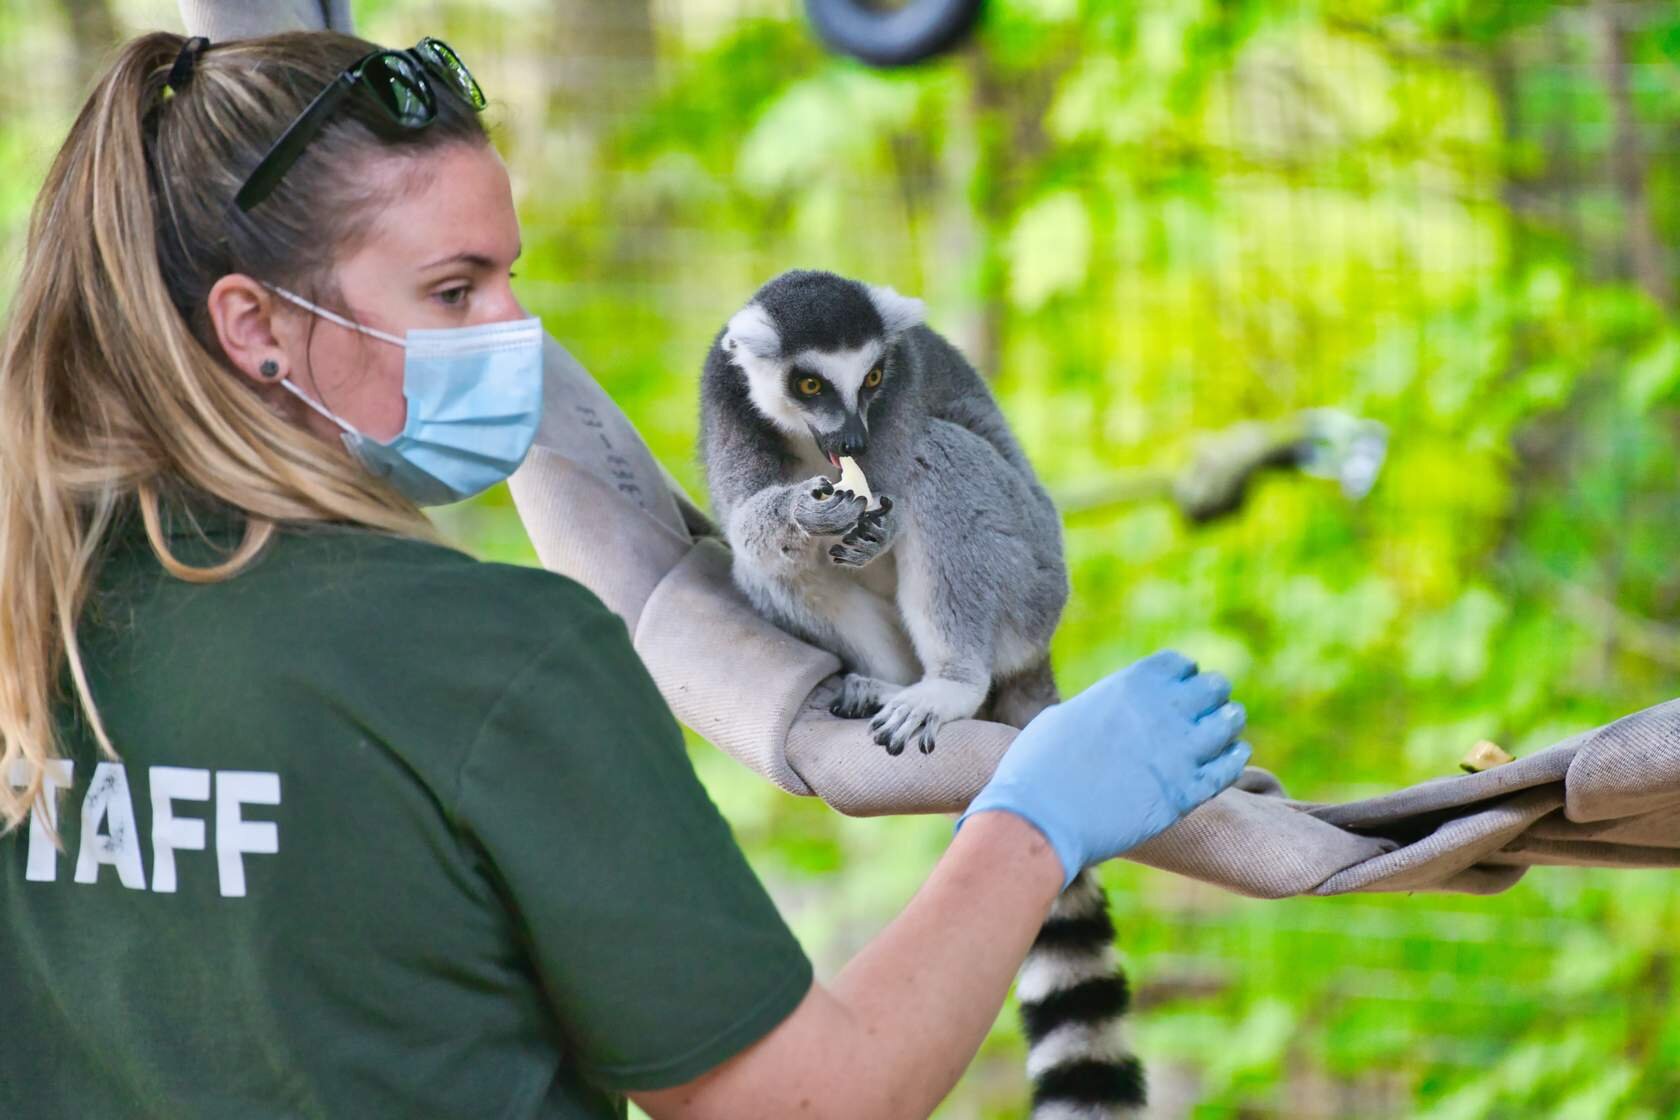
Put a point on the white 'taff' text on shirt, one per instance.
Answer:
(110, 834)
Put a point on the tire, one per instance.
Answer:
(901, 36)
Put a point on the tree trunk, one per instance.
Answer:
(93, 31)
(605, 62)
(1644, 252)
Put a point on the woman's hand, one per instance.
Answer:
(1123, 760)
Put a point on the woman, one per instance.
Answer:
(310, 815)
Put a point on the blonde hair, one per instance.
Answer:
(114, 392)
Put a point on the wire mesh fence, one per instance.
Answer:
(1146, 223)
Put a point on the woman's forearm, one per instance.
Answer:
(939, 973)
(896, 1029)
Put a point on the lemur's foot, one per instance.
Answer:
(914, 714)
(860, 696)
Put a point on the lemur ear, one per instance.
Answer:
(898, 313)
(750, 329)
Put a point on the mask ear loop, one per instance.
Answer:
(286, 384)
(335, 317)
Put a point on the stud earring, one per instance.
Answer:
(270, 369)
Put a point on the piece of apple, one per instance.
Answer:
(1485, 755)
(851, 478)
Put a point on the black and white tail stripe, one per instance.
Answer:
(1073, 996)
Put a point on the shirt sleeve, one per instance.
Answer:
(659, 949)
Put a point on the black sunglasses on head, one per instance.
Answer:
(397, 82)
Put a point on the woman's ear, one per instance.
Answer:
(250, 325)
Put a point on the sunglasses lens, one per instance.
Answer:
(401, 88)
(443, 56)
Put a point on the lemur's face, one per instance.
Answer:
(822, 392)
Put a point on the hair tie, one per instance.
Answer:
(181, 73)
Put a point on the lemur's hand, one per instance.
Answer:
(867, 539)
(821, 510)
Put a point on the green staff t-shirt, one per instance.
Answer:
(393, 833)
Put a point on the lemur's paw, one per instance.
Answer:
(896, 727)
(860, 696)
(873, 522)
(849, 554)
(821, 510)
(865, 540)
(915, 714)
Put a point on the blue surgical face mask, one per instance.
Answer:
(474, 397)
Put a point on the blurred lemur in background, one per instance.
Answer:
(940, 603)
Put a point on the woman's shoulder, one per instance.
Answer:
(393, 578)
(338, 597)
(339, 586)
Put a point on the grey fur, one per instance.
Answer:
(906, 596)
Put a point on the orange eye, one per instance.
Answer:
(810, 386)
(872, 378)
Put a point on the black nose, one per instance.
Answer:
(852, 437)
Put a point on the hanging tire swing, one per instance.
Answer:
(892, 36)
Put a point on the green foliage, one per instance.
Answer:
(1146, 221)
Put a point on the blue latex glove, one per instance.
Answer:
(1121, 761)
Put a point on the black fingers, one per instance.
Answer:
(864, 539)
(925, 738)
(854, 709)
(876, 518)
(850, 557)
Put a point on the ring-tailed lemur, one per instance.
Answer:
(938, 602)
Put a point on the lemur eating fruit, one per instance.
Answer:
(932, 567)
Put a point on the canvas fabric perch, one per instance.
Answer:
(1609, 797)
(601, 510)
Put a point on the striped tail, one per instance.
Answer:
(1073, 996)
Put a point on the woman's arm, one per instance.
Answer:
(1084, 781)
(901, 1022)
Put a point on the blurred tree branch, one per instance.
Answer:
(1216, 481)
(1214, 484)
(1437, 53)
(1634, 633)
(604, 63)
